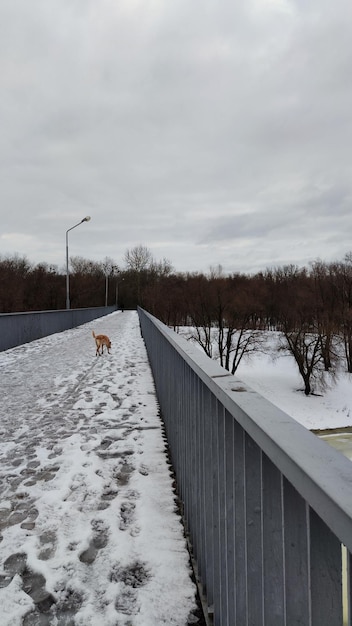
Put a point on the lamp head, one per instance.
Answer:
(86, 219)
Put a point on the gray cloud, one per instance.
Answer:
(213, 132)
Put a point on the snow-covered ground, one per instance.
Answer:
(89, 531)
(275, 376)
(279, 381)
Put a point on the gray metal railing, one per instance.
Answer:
(19, 328)
(267, 504)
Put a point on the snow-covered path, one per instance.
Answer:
(89, 531)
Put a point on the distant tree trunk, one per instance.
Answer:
(247, 341)
(305, 347)
(202, 335)
(347, 341)
(326, 351)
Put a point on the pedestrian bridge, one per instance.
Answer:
(267, 505)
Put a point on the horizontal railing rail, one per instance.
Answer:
(267, 504)
(19, 328)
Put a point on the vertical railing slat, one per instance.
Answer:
(297, 574)
(230, 517)
(273, 546)
(208, 511)
(216, 511)
(240, 528)
(326, 574)
(204, 487)
(348, 596)
(253, 482)
(197, 479)
(222, 547)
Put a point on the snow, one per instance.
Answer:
(275, 376)
(89, 528)
(278, 380)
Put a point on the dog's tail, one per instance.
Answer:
(93, 333)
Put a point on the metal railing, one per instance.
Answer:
(267, 504)
(19, 328)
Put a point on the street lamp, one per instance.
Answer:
(117, 293)
(109, 270)
(106, 288)
(85, 219)
(115, 272)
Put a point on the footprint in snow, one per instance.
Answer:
(127, 511)
(122, 474)
(99, 540)
(134, 575)
(48, 542)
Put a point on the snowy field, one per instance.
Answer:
(278, 380)
(275, 376)
(89, 532)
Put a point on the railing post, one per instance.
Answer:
(326, 573)
(273, 545)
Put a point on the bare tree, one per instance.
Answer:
(326, 304)
(138, 261)
(138, 258)
(237, 333)
(199, 295)
(343, 274)
(299, 325)
(305, 347)
(161, 269)
(14, 272)
(221, 311)
(216, 271)
(85, 266)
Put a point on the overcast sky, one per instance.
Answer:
(210, 131)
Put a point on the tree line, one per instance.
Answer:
(25, 286)
(310, 307)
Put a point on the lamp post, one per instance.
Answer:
(109, 270)
(114, 271)
(117, 293)
(85, 219)
(106, 288)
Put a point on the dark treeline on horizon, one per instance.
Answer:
(287, 296)
(310, 307)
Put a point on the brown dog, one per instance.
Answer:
(100, 342)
